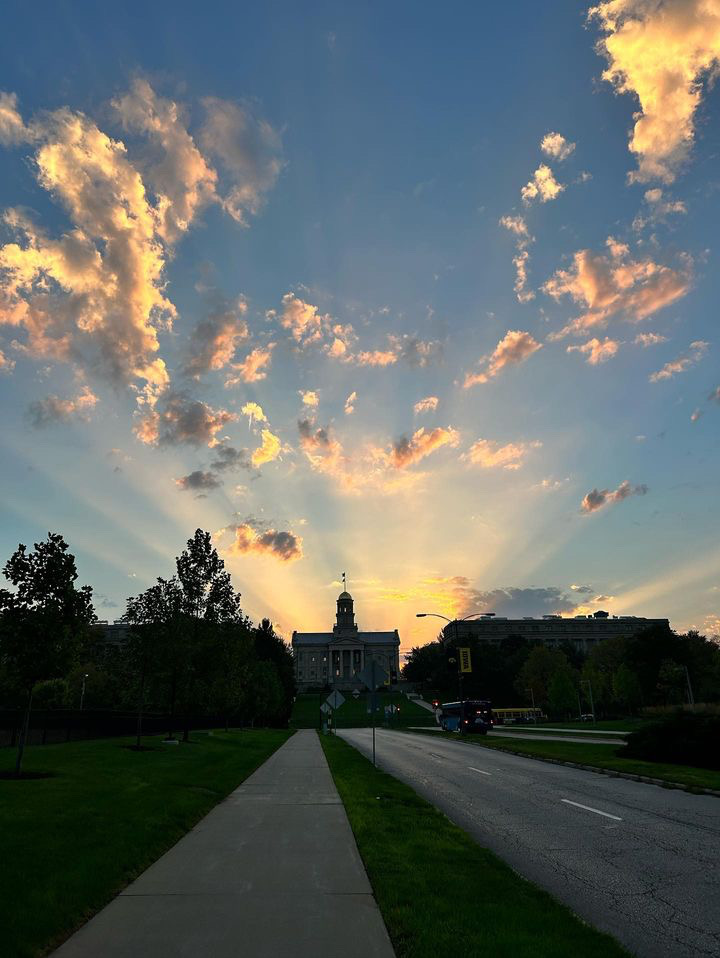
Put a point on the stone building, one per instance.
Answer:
(335, 658)
(582, 631)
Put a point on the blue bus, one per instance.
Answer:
(469, 716)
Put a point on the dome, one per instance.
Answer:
(344, 595)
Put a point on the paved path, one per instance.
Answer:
(638, 861)
(271, 872)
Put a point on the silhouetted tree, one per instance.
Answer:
(44, 621)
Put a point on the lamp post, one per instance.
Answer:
(82, 691)
(455, 622)
(532, 698)
(592, 704)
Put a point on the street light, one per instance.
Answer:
(423, 615)
(82, 692)
(592, 704)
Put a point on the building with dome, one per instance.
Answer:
(335, 658)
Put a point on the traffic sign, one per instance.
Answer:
(325, 708)
(335, 699)
(373, 675)
(356, 693)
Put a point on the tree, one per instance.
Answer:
(269, 647)
(562, 697)
(44, 621)
(154, 617)
(539, 667)
(626, 688)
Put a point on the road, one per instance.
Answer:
(638, 861)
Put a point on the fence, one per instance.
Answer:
(50, 726)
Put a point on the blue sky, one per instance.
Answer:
(220, 224)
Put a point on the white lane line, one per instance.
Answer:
(589, 809)
(478, 770)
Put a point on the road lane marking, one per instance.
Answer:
(589, 809)
(478, 770)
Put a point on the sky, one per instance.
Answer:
(427, 296)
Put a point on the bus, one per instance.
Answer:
(471, 715)
(524, 715)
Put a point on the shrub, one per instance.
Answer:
(683, 739)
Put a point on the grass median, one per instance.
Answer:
(71, 841)
(353, 713)
(599, 756)
(439, 892)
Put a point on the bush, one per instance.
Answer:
(683, 739)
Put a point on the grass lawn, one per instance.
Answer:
(69, 843)
(440, 893)
(353, 712)
(602, 756)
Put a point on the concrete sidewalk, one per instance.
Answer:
(271, 872)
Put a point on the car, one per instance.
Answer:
(587, 717)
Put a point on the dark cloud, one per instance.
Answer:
(515, 602)
(228, 458)
(214, 340)
(415, 351)
(597, 498)
(179, 419)
(53, 409)
(198, 481)
(255, 535)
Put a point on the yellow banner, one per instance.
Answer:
(465, 661)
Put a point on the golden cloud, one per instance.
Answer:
(428, 404)
(494, 455)
(284, 546)
(543, 185)
(407, 451)
(515, 347)
(253, 368)
(597, 352)
(697, 351)
(268, 451)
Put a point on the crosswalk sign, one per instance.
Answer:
(465, 662)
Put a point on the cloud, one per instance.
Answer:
(253, 368)
(410, 349)
(428, 404)
(268, 451)
(174, 167)
(228, 458)
(179, 419)
(515, 347)
(284, 546)
(614, 283)
(697, 351)
(407, 451)
(12, 128)
(254, 412)
(322, 450)
(551, 485)
(658, 209)
(714, 395)
(493, 455)
(543, 185)
(597, 352)
(598, 498)
(349, 407)
(302, 320)
(661, 53)
(214, 340)
(556, 146)
(518, 226)
(649, 339)
(6, 364)
(582, 589)
(695, 415)
(249, 152)
(309, 397)
(198, 481)
(53, 409)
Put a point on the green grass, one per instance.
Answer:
(353, 713)
(69, 843)
(439, 892)
(601, 756)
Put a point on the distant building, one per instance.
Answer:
(335, 658)
(113, 633)
(582, 631)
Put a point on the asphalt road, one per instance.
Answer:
(541, 737)
(638, 861)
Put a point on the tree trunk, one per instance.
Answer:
(140, 710)
(23, 734)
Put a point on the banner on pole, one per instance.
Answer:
(465, 660)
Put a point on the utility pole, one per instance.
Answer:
(532, 698)
(592, 704)
(82, 691)
(691, 697)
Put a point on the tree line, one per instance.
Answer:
(623, 674)
(190, 650)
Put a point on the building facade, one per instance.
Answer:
(335, 658)
(582, 631)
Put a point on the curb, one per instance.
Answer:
(613, 773)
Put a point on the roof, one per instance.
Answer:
(344, 595)
(327, 638)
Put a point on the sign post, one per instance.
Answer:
(334, 701)
(372, 676)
